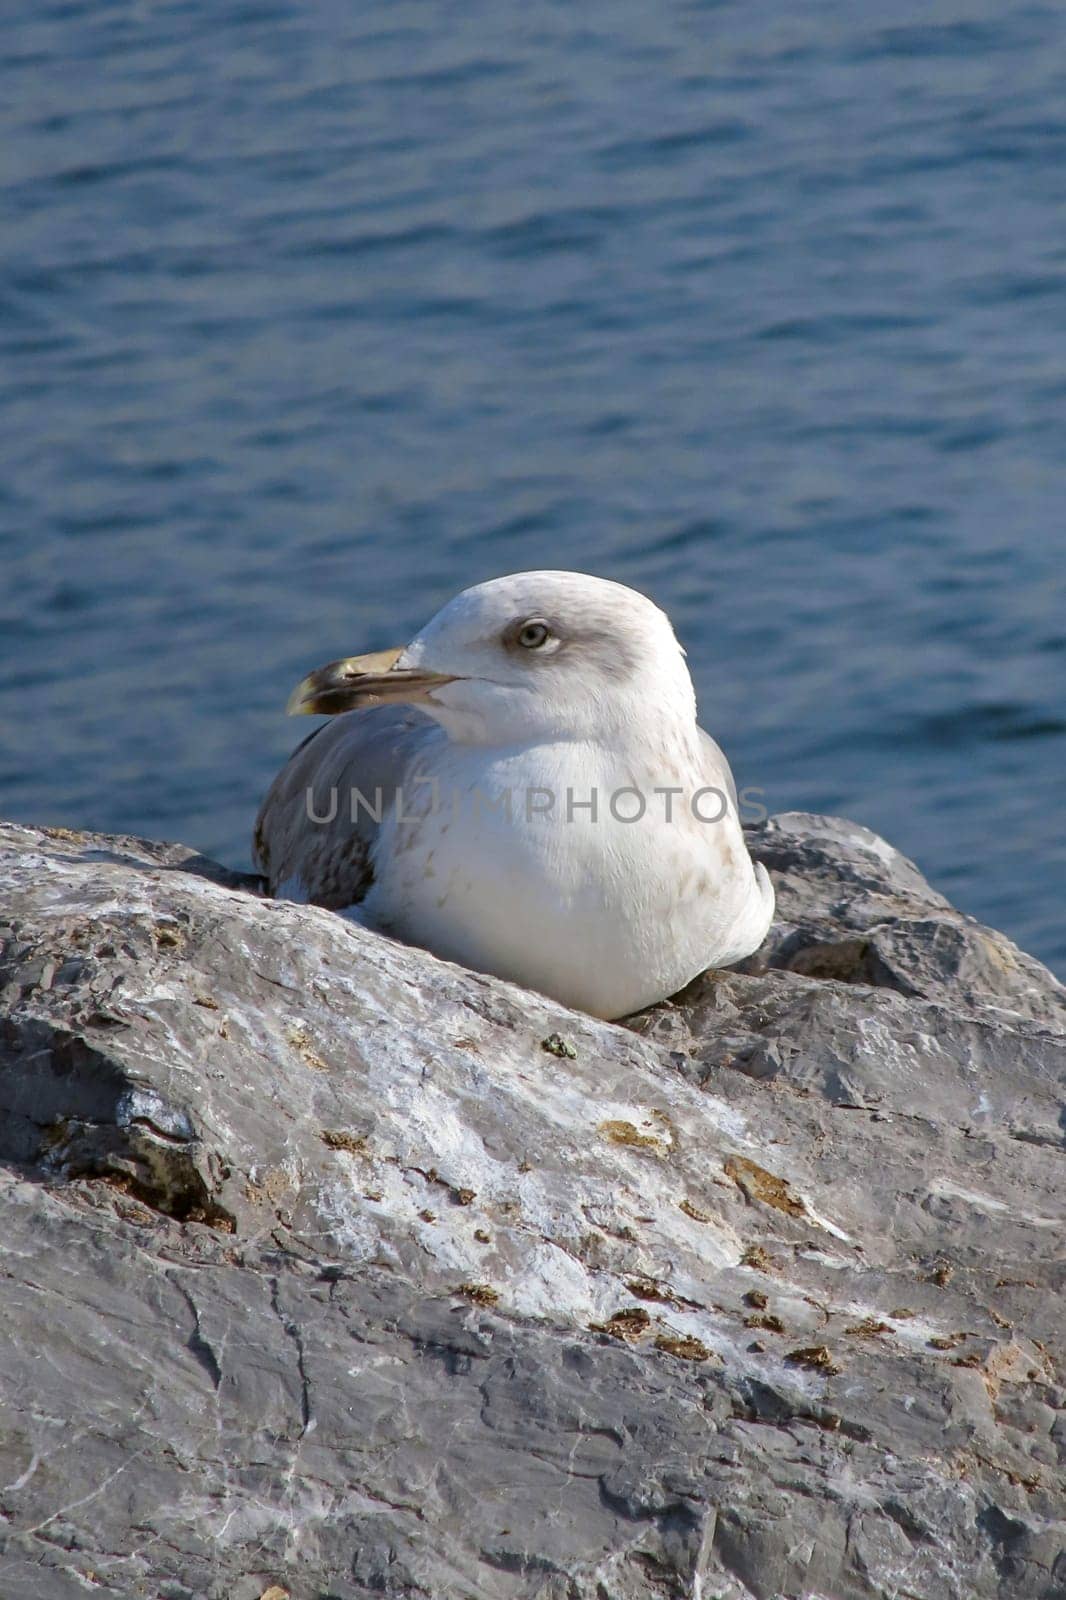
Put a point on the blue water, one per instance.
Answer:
(312, 313)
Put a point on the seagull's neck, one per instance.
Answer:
(662, 749)
(647, 750)
(650, 727)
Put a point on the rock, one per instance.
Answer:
(332, 1270)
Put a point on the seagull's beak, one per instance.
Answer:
(362, 681)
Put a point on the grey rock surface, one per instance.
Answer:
(331, 1270)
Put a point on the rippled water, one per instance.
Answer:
(311, 314)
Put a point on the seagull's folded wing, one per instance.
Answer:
(315, 831)
(717, 773)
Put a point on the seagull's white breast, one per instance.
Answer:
(503, 865)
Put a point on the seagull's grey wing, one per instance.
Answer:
(311, 841)
(718, 775)
(716, 770)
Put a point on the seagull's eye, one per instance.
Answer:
(533, 634)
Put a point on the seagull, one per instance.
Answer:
(524, 789)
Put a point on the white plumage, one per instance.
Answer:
(542, 804)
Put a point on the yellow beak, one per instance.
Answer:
(361, 681)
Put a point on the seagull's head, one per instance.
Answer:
(533, 656)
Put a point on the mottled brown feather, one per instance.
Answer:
(330, 862)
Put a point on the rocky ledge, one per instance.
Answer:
(334, 1271)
